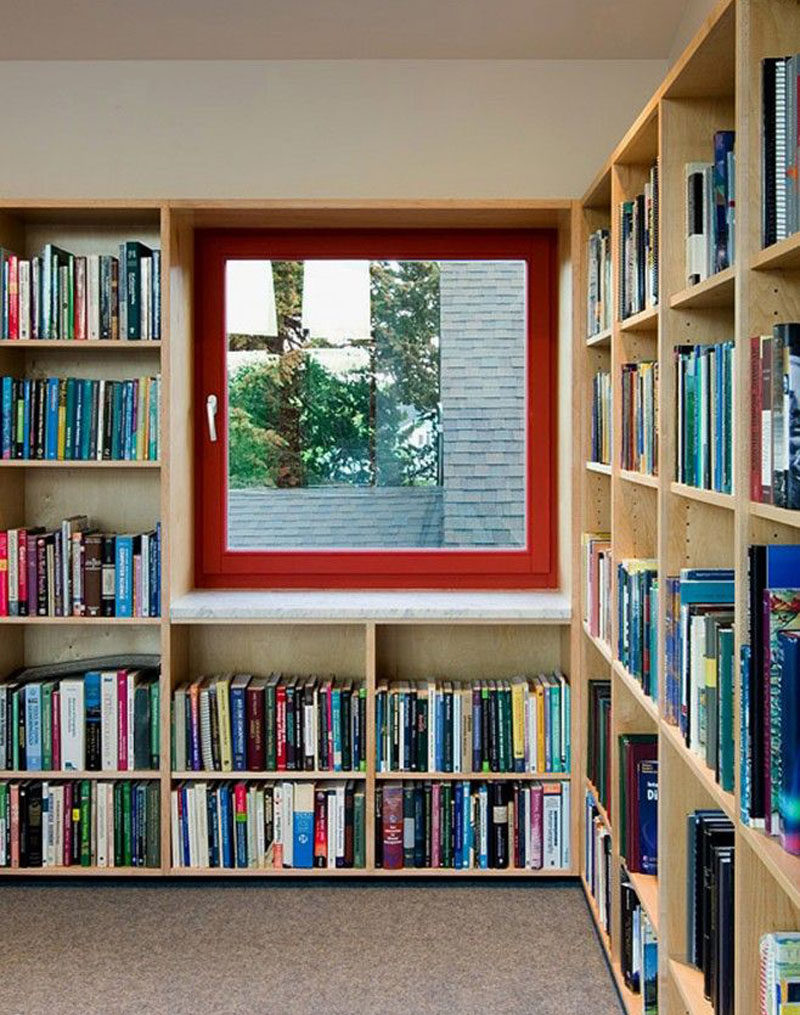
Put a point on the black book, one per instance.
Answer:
(722, 984)
(494, 727)
(108, 420)
(349, 825)
(498, 825)
(419, 825)
(24, 815)
(757, 580)
(298, 727)
(378, 824)
(486, 723)
(291, 752)
(94, 419)
(427, 790)
(308, 720)
(446, 825)
(21, 741)
(409, 828)
(107, 577)
(34, 825)
(713, 835)
(347, 726)
(94, 760)
(412, 732)
(628, 904)
(421, 718)
(362, 727)
(768, 143)
(141, 728)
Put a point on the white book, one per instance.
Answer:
(332, 836)
(13, 572)
(340, 821)
(261, 844)
(24, 295)
(110, 823)
(697, 197)
(176, 838)
(108, 720)
(73, 724)
(201, 802)
(58, 826)
(310, 727)
(93, 296)
(551, 829)
(101, 413)
(190, 818)
(252, 836)
(179, 727)
(287, 803)
(102, 825)
(697, 643)
(566, 824)
(146, 293)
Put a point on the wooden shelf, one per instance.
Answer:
(646, 886)
(635, 689)
(601, 468)
(639, 478)
(713, 292)
(646, 320)
(783, 866)
(784, 516)
(784, 254)
(35, 463)
(602, 646)
(631, 1002)
(102, 344)
(79, 621)
(76, 871)
(600, 339)
(362, 872)
(254, 776)
(724, 800)
(15, 775)
(720, 500)
(473, 776)
(689, 982)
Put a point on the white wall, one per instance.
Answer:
(299, 129)
(694, 15)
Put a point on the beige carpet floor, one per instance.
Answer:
(288, 948)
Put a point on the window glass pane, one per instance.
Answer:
(376, 404)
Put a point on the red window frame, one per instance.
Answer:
(534, 566)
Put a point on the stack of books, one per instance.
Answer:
(711, 211)
(517, 725)
(699, 665)
(780, 200)
(103, 721)
(638, 947)
(775, 417)
(259, 825)
(598, 271)
(247, 723)
(639, 408)
(638, 250)
(472, 826)
(770, 695)
(75, 419)
(597, 860)
(597, 566)
(704, 395)
(779, 968)
(637, 603)
(638, 801)
(63, 296)
(83, 823)
(76, 571)
(601, 417)
(709, 905)
(598, 747)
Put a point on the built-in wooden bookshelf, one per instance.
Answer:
(715, 85)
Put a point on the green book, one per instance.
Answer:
(153, 844)
(359, 829)
(127, 825)
(155, 724)
(118, 831)
(271, 722)
(47, 725)
(726, 744)
(86, 823)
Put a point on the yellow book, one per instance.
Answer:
(518, 687)
(61, 452)
(224, 717)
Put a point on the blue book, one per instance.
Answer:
(51, 420)
(744, 734)
(127, 427)
(78, 428)
(116, 421)
(8, 415)
(468, 829)
(26, 418)
(336, 721)
(647, 777)
(554, 731)
(789, 802)
(458, 824)
(723, 146)
(303, 838)
(92, 711)
(238, 691)
(439, 743)
(86, 422)
(225, 825)
(482, 847)
(708, 592)
(33, 727)
(185, 824)
(70, 421)
(213, 829)
(566, 695)
(240, 822)
(123, 576)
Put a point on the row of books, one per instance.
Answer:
(710, 904)
(83, 823)
(637, 612)
(770, 684)
(775, 417)
(76, 571)
(598, 741)
(469, 826)
(638, 947)
(598, 280)
(77, 419)
(699, 687)
(601, 417)
(517, 725)
(243, 825)
(597, 860)
(638, 801)
(63, 296)
(639, 417)
(103, 721)
(779, 973)
(278, 723)
(597, 569)
(780, 198)
(638, 249)
(704, 393)
(711, 211)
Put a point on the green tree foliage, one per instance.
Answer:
(294, 422)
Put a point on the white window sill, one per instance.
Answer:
(209, 605)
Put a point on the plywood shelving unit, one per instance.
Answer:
(715, 85)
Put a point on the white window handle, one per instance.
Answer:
(211, 413)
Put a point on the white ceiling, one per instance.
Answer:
(337, 29)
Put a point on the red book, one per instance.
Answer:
(3, 574)
(255, 697)
(56, 731)
(537, 850)
(320, 828)
(766, 419)
(14, 808)
(392, 823)
(755, 418)
(13, 296)
(122, 720)
(280, 726)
